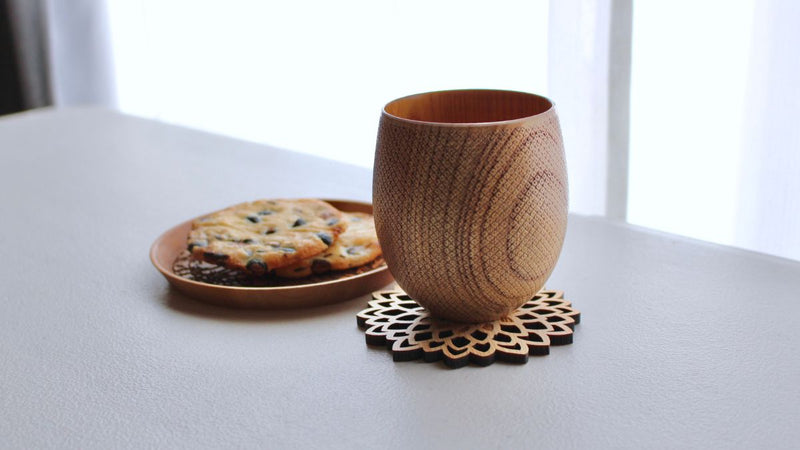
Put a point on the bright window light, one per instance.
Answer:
(313, 76)
(689, 73)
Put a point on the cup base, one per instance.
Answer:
(396, 321)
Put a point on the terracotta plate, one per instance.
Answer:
(170, 244)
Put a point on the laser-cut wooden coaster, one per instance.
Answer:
(409, 332)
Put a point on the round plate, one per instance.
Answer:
(170, 244)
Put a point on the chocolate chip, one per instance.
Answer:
(270, 231)
(266, 212)
(326, 238)
(247, 241)
(353, 250)
(197, 244)
(215, 257)
(254, 219)
(333, 221)
(319, 266)
(299, 222)
(257, 267)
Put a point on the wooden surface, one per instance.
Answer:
(471, 216)
(394, 320)
(683, 344)
(468, 106)
(166, 249)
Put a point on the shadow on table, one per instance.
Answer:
(177, 301)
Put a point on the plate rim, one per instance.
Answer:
(175, 279)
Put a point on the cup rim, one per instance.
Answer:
(514, 121)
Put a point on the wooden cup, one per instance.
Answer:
(470, 199)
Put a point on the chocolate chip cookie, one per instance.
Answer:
(257, 237)
(356, 246)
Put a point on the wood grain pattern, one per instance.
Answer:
(470, 198)
(395, 320)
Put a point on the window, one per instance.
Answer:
(688, 95)
(313, 76)
(714, 122)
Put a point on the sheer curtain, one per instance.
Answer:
(63, 52)
(313, 76)
(715, 149)
(680, 116)
(80, 53)
(714, 141)
(589, 77)
(768, 213)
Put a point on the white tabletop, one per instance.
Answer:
(681, 343)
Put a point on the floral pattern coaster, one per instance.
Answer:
(395, 320)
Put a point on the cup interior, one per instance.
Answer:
(468, 106)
